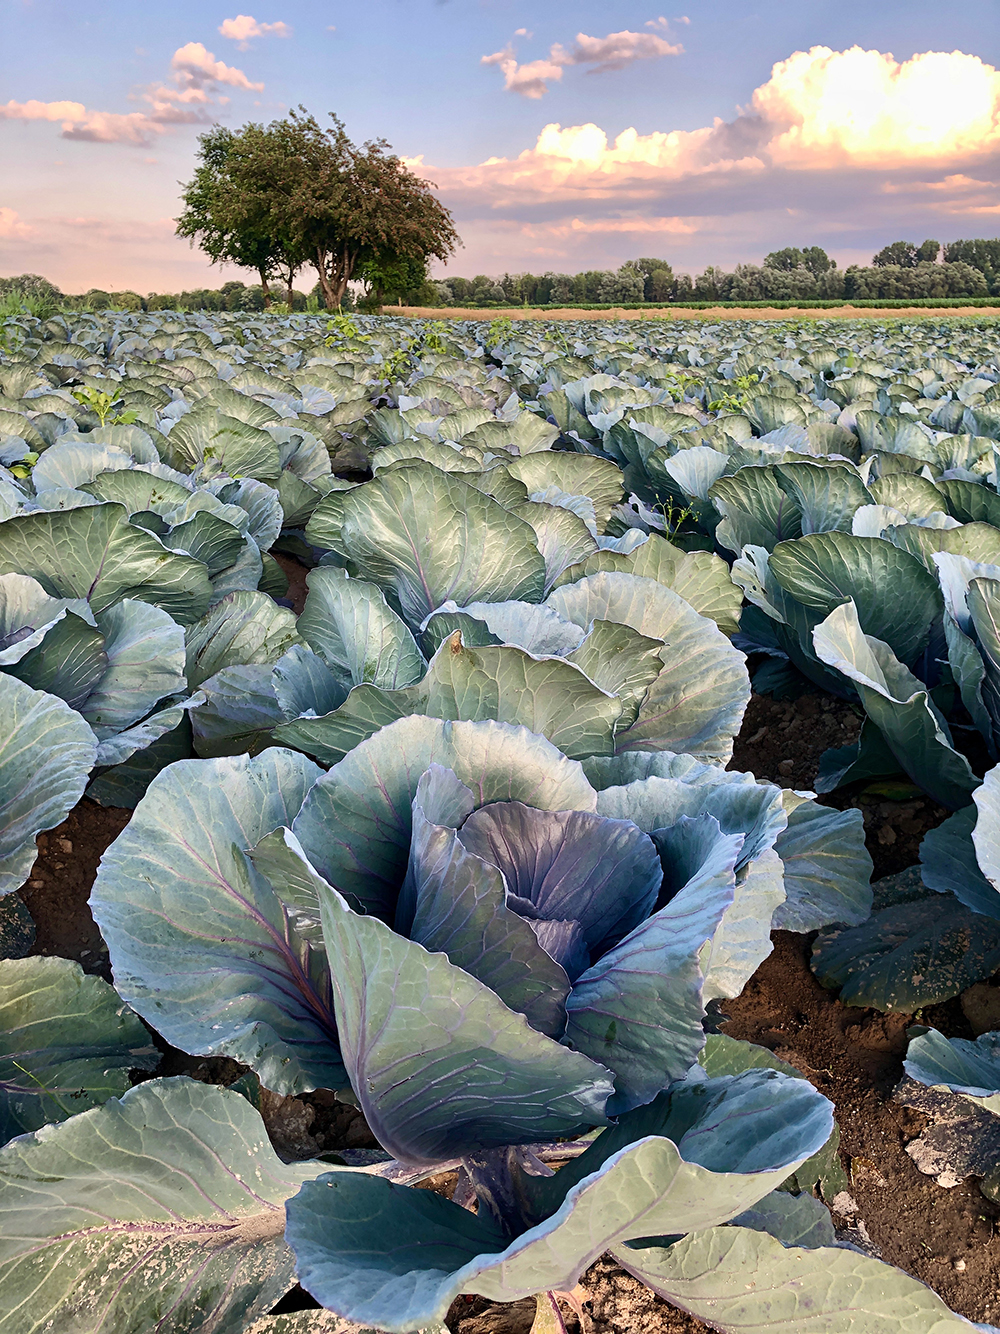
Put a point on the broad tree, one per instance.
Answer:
(354, 206)
(279, 196)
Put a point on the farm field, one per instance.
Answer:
(519, 801)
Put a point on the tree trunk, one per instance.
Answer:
(291, 279)
(266, 289)
(330, 297)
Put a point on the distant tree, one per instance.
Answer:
(928, 251)
(683, 289)
(901, 254)
(30, 284)
(978, 254)
(712, 284)
(389, 278)
(814, 258)
(788, 258)
(657, 277)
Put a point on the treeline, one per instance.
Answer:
(899, 271)
(41, 297)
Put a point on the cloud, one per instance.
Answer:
(78, 122)
(12, 226)
(529, 79)
(193, 98)
(616, 51)
(243, 27)
(865, 107)
(199, 68)
(832, 145)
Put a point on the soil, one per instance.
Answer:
(948, 1238)
(295, 573)
(60, 882)
(845, 312)
(782, 741)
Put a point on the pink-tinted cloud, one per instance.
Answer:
(830, 140)
(197, 67)
(243, 28)
(616, 51)
(192, 98)
(80, 251)
(78, 122)
(12, 226)
(530, 79)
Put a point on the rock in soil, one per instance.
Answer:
(618, 1304)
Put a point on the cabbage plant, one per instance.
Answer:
(491, 953)
(46, 754)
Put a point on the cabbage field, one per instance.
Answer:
(407, 661)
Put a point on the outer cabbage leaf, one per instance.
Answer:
(439, 1065)
(675, 1166)
(66, 1043)
(145, 652)
(827, 569)
(167, 1204)
(201, 945)
(46, 753)
(426, 537)
(899, 705)
(696, 703)
(793, 1289)
(359, 637)
(827, 868)
(97, 554)
(550, 697)
(244, 629)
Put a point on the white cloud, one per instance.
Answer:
(244, 27)
(530, 79)
(865, 107)
(616, 51)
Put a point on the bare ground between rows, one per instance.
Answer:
(948, 1238)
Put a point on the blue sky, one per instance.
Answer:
(754, 126)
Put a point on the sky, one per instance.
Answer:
(562, 137)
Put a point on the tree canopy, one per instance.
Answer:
(275, 198)
(906, 255)
(814, 258)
